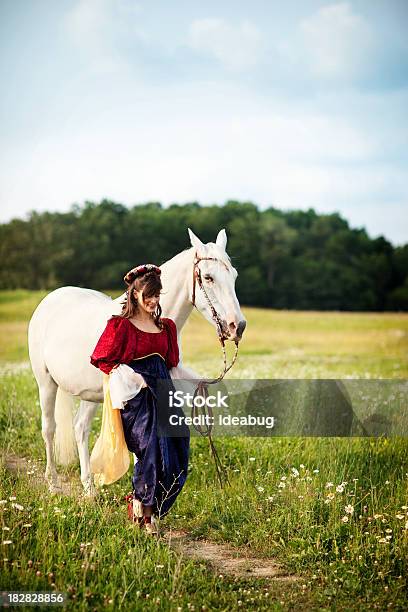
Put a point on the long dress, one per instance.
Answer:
(161, 469)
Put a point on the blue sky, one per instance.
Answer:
(295, 105)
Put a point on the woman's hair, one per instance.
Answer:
(151, 285)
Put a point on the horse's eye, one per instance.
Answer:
(208, 278)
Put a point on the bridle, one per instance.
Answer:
(202, 387)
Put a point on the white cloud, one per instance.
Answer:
(236, 47)
(97, 27)
(303, 137)
(336, 42)
(192, 145)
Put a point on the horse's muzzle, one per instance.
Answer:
(230, 332)
(236, 335)
(240, 329)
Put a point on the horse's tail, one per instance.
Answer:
(65, 446)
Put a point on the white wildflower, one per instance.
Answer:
(17, 506)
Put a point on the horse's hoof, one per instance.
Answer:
(52, 480)
(89, 491)
(55, 488)
(90, 494)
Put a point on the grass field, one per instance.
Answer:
(332, 510)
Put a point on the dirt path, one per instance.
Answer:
(223, 558)
(226, 559)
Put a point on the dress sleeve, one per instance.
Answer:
(172, 357)
(109, 348)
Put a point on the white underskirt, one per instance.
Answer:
(124, 383)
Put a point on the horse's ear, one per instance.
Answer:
(221, 239)
(195, 241)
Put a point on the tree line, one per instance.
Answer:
(285, 259)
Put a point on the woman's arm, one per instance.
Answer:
(108, 351)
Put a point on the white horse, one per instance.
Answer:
(65, 328)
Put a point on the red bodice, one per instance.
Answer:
(121, 342)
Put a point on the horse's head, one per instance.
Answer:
(218, 279)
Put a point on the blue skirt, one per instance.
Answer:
(161, 469)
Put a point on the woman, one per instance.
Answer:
(147, 343)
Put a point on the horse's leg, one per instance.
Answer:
(48, 392)
(82, 426)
